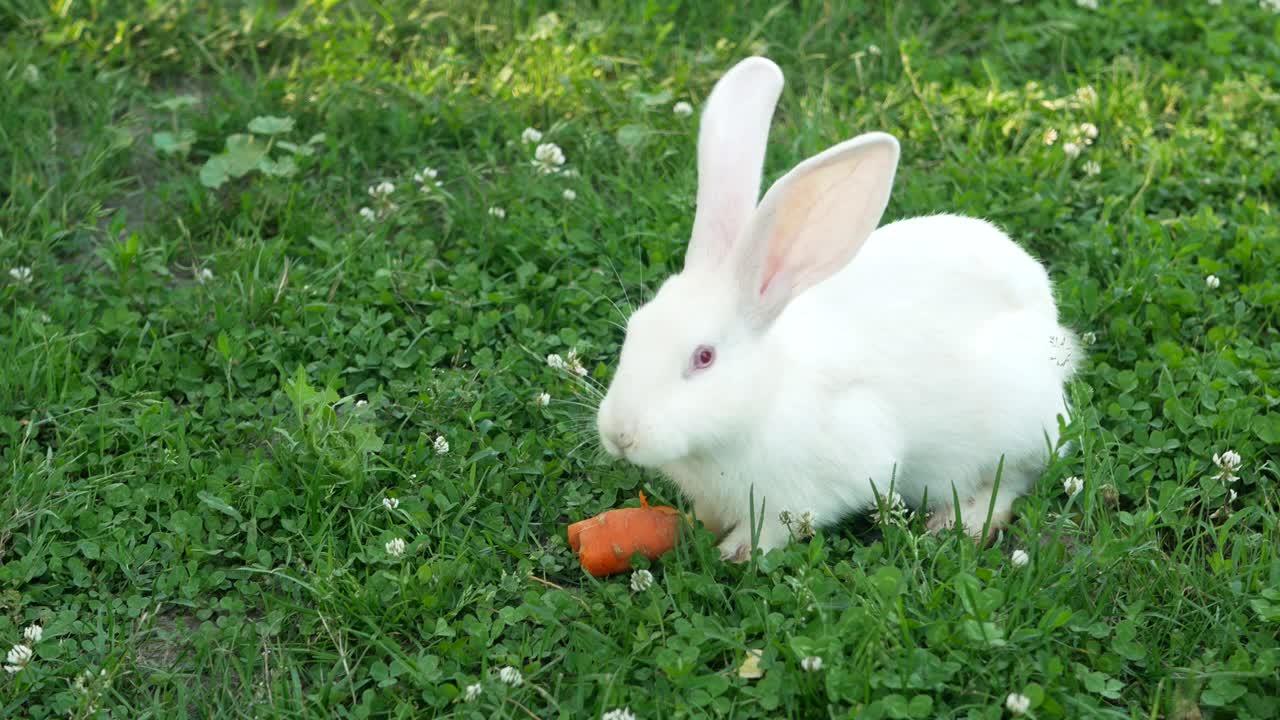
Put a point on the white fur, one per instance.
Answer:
(922, 362)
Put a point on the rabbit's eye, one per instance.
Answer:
(703, 357)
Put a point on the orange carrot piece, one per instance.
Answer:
(606, 542)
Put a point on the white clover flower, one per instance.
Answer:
(362, 403)
(473, 692)
(18, 658)
(544, 399)
(555, 362)
(1050, 136)
(427, 178)
(368, 214)
(1017, 703)
(807, 519)
(1272, 5)
(390, 503)
(1019, 558)
(82, 681)
(622, 713)
(1212, 282)
(32, 634)
(204, 275)
(682, 109)
(641, 580)
(1089, 338)
(498, 212)
(1088, 4)
(1214, 3)
(893, 510)
(1087, 95)
(1089, 130)
(548, 158)
(801, 525)
(1228, 465)
(873, 49)
(531, 135)
(570, 195)
(381, 190)
(21, 274)
(1071, 149)
(1072, 485)
(395, 548)
(573, 364)
(1092, 167)
(31, 74)
(441, 445)
(813, 663)
(1229, 460)
(511, 676)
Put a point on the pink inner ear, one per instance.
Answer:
(772, 265)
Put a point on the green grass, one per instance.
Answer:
(192, 465)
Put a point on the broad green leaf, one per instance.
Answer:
(1222, 691)
(1268, 611)
(213, 174)
(270, 125)
(119, 138)
(662, 97)
(224, 345)
(304, 150)
(243, 154)
(632, 137)
(1267, 427)
(983, 633)
(284, 167)
(168, 143)
(921, 706)
(177, 102)
(887, 581)
(218, 504)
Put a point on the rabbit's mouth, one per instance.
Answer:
(649, 454)
(611, 447)
(617, 435)
(623, 444)
(638, 437)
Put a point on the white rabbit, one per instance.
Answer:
(773, 367)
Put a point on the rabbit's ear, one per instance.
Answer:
(813, 221)
(731, 148)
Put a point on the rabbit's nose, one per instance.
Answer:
(624, 440)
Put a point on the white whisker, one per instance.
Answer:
(631, 308)
(622, 314)
(586, 406)
(588, 383)
(596, 454)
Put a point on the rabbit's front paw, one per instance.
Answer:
(735, 552)
(940, 519)
(736, 546)
(973, 514)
